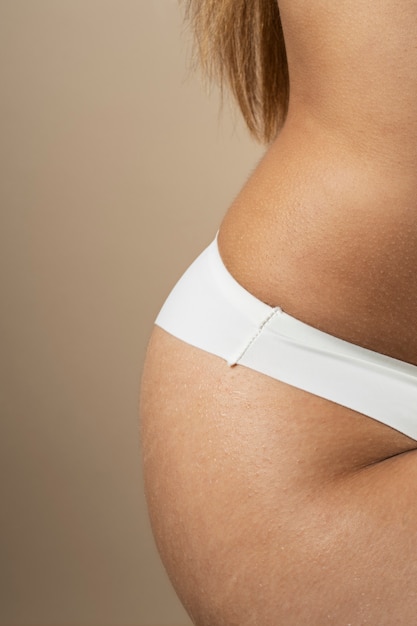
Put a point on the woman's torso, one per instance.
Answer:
(271, 505)
(331, 238)
(326, 226)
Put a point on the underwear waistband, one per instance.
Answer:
(210, 310)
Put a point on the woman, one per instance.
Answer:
(279, 397)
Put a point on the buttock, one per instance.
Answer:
(273, 504)
(270, 504)
(256, 416)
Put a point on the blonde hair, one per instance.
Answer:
(241, 43)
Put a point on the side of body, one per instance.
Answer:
(271, 505)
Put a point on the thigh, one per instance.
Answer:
(270, 505)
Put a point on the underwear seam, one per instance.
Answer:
(261, 327)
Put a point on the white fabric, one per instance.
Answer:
(210, 310)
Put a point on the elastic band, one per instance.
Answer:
(210, 310)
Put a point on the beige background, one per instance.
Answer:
(115, 172)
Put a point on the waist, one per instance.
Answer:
(328, 242)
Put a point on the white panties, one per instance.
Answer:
(210, 310)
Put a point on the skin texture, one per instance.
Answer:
(270, 505)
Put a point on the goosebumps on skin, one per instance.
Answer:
(271, 505)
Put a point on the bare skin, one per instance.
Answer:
(270, 505)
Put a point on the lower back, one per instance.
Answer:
(331, 238)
